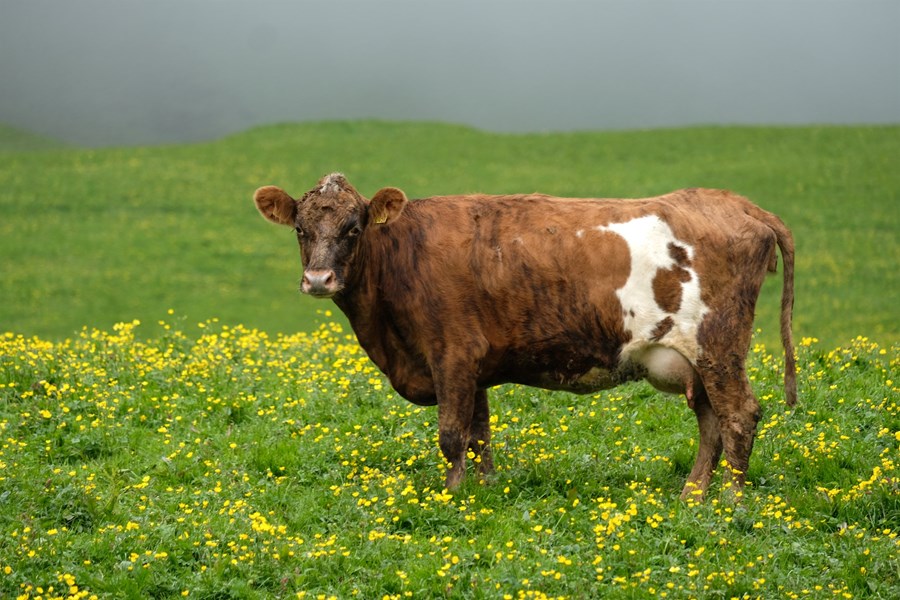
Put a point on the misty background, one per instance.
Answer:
(105, 72)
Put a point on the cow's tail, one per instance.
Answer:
(786, 245)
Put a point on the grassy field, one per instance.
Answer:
(95, 237)
(176, 421)
(218, 462)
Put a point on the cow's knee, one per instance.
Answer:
(738, 435)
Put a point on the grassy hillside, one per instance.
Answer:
(15, 140)
(95, 237)
(189, 457)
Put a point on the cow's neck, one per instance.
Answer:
(362, 307)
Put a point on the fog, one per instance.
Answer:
(107, 72)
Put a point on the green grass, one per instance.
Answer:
(221, 462)
(94, 237)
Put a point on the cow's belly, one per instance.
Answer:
(665, 368)
(583, 378)
(593, 380)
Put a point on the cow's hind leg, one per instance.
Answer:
(710, 447)
(480, 435)
(738, 411)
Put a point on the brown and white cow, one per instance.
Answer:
(452, 295)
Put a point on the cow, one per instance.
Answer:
(452, 295)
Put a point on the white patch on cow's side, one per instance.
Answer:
(648, 240)
(580, 233)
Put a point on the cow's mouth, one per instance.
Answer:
(323, 295)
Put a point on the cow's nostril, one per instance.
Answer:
(320, 283)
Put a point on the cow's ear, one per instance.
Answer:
(386, 205)
(275, 204)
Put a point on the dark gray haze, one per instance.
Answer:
(100, 72)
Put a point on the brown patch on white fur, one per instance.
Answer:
(667, 288)
(662, 328)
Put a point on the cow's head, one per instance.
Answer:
(330, 219)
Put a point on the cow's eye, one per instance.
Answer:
(300, 231)
(354, 231)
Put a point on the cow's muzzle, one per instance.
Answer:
(321, 284)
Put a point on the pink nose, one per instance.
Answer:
(319, 283)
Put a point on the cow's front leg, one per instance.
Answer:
(455, 387)
(480, 434)
(454, 425)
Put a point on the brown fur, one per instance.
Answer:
(666, 288)
(662, 328)
(450, 296)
